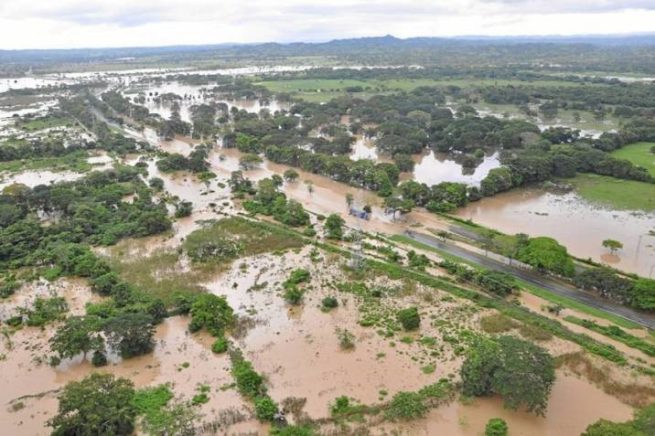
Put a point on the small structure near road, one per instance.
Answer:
(359, 213)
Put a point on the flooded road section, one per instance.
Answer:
(575, 223)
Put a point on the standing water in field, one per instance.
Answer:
(574, 222)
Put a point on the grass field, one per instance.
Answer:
(615, 193)
(321, 90)
(43, 123)
(639, 154)
(71, 162)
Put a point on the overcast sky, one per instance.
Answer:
(115, 23)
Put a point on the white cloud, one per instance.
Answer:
(111, 23)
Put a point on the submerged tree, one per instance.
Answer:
(77, 335)
(97, 405)
(612, 245)
(519, 371)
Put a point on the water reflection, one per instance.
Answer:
(433, 168)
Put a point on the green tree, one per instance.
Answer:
(130, 333)
(409, 318)
(496, 427)
(77, 335)
(249, 161)
(519, 371)
(97, 405)
(291, 175)
(334, 226)
(211, 312)
(396, 204)
(643, 294)
(612, 245)
(350, 199)
(547, 254)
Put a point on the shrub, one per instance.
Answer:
(299, 276)
(220, 345)
(183, 209)
(99, 359)
(293, 294)
(405, 406)
(496, 427)
(249, 383)
(265, 408)
(211, 312)
(329, 303)
(292, 430)
(409, 318)
(346, 339)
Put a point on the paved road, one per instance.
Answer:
(548, 283)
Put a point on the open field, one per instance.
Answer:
(640, 154)
(615, 193)
(322, 90)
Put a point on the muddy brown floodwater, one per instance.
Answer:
(573, 405)
(574, 222)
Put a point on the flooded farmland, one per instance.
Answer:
(576, 223)
(376, 321)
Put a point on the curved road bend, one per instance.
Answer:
(550, 284)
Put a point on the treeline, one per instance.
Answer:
(90, 210)
(267, 199)
(638, 96)
(81, 108)
(196, 162)
(639, 293)
(39, 148)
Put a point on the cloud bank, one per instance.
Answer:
(114, 23)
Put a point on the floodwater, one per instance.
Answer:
(577, 224)
(179, 358)
(573, 405)
(41, 177)
(433, 168)
(192, 95)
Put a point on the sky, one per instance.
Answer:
(120, 23)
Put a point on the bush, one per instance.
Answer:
(409, 318)
(293, 294)
(265, 408)
(211, 312)
(292, 430)
(405, 406)
(496, 427)
(249, 383)
(299, 276)
(329, 303)
(346, 339)
(99, 359)
(183, 209)
(220, 345)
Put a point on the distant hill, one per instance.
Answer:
(387, 49)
